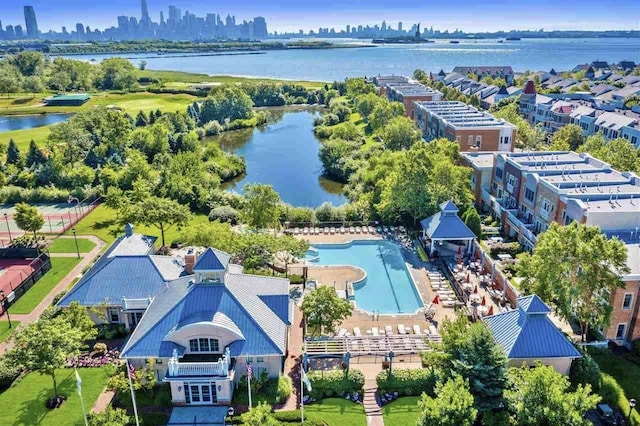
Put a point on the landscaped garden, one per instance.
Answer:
(620, 380)
(68, 245)
(402, 412)
(60, 268)
(25, 402)
(5, 331)
(337, 412)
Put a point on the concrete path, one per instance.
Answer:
(371, 405)
(292, 363)
(62, 285)
(104, 400)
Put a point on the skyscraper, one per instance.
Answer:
(31, 22)
(260, 28)
(145, 12)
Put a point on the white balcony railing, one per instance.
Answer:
(544, 214)
(529, 235)
(513, 218)
(219, 368)
(510, 188)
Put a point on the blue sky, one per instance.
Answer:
(291, 15)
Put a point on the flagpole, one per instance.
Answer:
(249, 373)
(133, 395)
(79, 385)
(302, 392)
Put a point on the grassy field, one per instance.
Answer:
(68, 245)
(627, 374)
(338, 412)
(5, 331)
(60, 267)
(101, 222)
(24, 403)
(402, 412)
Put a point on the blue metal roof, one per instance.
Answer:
(529, 335)
(449, 207)
(442, 226)
(115, 278)
(208, 261)
(533, 305)
(280, 305)
(199, 303)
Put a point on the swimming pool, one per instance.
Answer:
(388, 287)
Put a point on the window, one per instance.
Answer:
(620, 332)
(458, 139)
(529, 195)
(259, 359)
(204, 344)
(470, 140)
(478, 141)
(626, 303)
(499, 173)
(249, 360)
(113, 315)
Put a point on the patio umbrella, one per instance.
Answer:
(484, 301)
(459, 254)
(475, 290)
(436, 300)
(490, 311)
(468, 277)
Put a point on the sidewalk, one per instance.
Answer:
(62, 285)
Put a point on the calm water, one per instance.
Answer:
(23, 122)
(284, 154)
(388, 288)
(336, 64)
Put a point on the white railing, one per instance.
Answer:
(544, 214)
(136, 304)
(529, 235)
(191, 369)
(513, 218)
(510, 188)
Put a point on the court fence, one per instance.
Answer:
(40, 266)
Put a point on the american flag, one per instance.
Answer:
(132, 372)
(249, 372)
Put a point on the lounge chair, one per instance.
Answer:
(305, 231)
(358, 229)
(374, 331)
(352, 230)
(356, 331)
(325, 230)
(448, 303)
(342, 332)
(342, 230)
(432, 330)
(332, 230)
(388, 330)
(416, 329)
(317, 231)
(401, 329)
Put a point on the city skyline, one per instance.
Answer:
(291, 17)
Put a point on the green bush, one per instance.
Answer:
(100, 348)
(224, 214)
(407, 382)
(585, 371)
(111, 416)
(296, 279)
(496, 418)
(9, 372)
(111, 331)
(506, 248)
(610, 390)
(152, 419)
(294, 416)
(58, 297)
(326, 384)
(636, 347)
(284, 389)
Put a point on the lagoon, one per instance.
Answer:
(23, 122)
(284, 154)
(337, 64)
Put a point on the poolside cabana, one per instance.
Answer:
(446, 227)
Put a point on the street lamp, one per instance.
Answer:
(230, 413)
(6, 219)
(4, 308)
(632, 403)
(76, 240)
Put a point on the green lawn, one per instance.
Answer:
(5, 331)
(101, 222)
(60, 267)
(402, 412)
(22, 138)
(338, 412)
(627, 374)
(24, 403)
(68, 245)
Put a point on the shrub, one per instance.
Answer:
(9, 372)
(296, 279)
(294, 416)
(212, 128)
(636, 347)
(152, 419)
(284, 389)
(610, 390)
(507, 248)
(224, 214)
(585, 371)
(100, 348)
(407, 382)
(111, 417)
(496, 418)
(323, 132)
(111, 331)
(58, 297)
(325, 384)
(330, 119)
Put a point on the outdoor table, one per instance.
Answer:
(482, 310)
(504, 256)
(475, 298)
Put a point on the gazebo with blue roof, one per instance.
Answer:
(447, 226)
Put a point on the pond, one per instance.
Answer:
(23, 122)
(284, 154)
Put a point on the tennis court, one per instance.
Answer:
(18, 275)
(58, 218)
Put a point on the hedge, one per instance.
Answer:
(325, 384)
(513, 249)
(294, 416)
(407, 382)
(43, 194)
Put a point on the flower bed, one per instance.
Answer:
(90, 360)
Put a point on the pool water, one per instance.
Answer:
(388, 287)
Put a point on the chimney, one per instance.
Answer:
(128, 229)
(190, 260)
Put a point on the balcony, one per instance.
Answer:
(510, 188)
(219, 368)
(544, 214)
(526, 233)
(513, 218)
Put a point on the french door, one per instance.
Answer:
(200, 393)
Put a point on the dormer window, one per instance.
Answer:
(204, 344)
(210, 277)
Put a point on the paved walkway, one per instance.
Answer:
(104, 400)
(292, 363)
(371, 403)
(62, 285)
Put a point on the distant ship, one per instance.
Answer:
(513, 39)
(454, 41)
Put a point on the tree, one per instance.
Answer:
(262, 207)
(383, 112)
(358, 86)
(541, 396)
(226, 103)
(569, 135)
(400, 133)
(163, 213)
(527, 137)
(28, 218)
(471, 218)
(33, 84)
(45, 345)
(483, 363)
(34, 155)
(110, 417)
(577, 268)
(141, 119)
(585, 370)
(117, 74)
(619, 153)
(28, 62)
(260, 415)
(324, 310)
(13, 154)
(142, 65)
(10, 79)
(366, 103)
(79, 319)
(452, 407)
